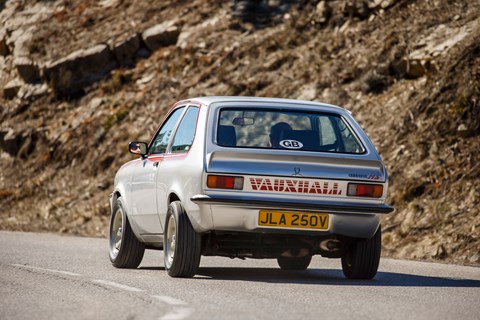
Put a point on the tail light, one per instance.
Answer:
(224, 182)
(365, 190)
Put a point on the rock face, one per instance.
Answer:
(125, 52)
(161, 35)
(68, 75)
(81, 68)
(84, 67)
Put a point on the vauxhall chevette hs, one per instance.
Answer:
(245, 177)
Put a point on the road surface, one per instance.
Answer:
(46, 276)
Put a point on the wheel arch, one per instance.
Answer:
(129, 253)
(115, 195)
(120, 195)
(120, 191)
(191, 209)
(173, 197)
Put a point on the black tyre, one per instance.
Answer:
(294, 263)
(361, 257)
(125, 250)
(181, 244)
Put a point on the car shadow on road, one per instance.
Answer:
(152, 268)
(332, 277)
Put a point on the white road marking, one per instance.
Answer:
(177, 314)
(47, 270)
(117, 285)
(171, 301)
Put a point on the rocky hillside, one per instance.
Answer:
(79, 79)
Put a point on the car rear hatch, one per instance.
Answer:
(297, 159)
(297, 182)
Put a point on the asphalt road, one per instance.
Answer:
(46, 276)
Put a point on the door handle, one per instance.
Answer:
(155, 164)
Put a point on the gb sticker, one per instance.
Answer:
(291, 144)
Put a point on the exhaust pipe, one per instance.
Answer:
(330, 245)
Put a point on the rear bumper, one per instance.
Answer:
(241, 214)
(299, 205)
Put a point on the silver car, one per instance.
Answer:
(244, 177)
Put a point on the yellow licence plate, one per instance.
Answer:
(282, 219)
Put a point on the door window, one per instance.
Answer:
(160, 144)
(186, 131)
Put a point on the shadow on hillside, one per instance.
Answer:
(332, 277)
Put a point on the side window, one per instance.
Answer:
(160, 143)
(350, 142)
(186, 131)
(327, 133)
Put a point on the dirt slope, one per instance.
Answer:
(408, 70)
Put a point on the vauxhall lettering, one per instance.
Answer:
(295, 186)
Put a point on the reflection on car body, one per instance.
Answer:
(251, 178)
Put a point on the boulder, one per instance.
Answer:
(69, 75)
(125, 52)
(10, 141)
(3, 44)
(416, 69)
(29, 141)
(308, 92)
(464, 131)
(161, 35)
(19, 42)
(109, 3)
(252, 11)
(357, 8)
(410, 69)
(380, 4)
(374, 82)
(11, 89)
(32, 91)
(27, 70)
(323, 12)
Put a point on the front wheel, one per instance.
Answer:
(125, 250)
(362, 256)
(182, 245)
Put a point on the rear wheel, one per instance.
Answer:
(294, 263)
(182, 245)
(361, 257)
(125, 250)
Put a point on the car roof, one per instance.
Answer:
(207, 101)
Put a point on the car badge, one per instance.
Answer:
(297, 172)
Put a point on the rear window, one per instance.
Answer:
(280, 129)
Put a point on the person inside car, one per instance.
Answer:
(276, 132)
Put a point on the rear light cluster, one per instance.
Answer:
(224, 182)
(365, 190)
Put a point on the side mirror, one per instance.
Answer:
(136, 147)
